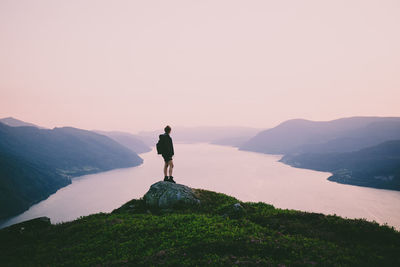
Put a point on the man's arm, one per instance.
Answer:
(172, 148)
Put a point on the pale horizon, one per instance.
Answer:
(136, 66)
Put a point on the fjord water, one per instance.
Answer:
(247, 176)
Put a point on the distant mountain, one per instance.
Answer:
(297, 136)
(232, 141)
(370, 135)
(128, 140)
(34, 162)
(232, 136)
(377, 166)
(10, 121)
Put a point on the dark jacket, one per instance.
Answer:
(168, 147)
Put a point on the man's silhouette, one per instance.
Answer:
(167, 153)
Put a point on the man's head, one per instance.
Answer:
(167, 129)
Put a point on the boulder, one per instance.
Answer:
(233, 211)
(167, 195)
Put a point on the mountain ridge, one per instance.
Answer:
(289, 136)
(131, 141)
(377, 166)
(37, 162)
(13, 122)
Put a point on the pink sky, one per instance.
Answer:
(138, 65)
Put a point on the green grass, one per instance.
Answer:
(210, 234)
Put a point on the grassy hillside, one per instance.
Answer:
(213, 233)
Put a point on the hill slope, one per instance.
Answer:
(370, 135)
(34, 162)
(10, 121)
(128, 140)
(209, 234)
(345, 134)
(377, 166)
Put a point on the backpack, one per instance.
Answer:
(160, 146)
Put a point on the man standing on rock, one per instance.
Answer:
(166, 149)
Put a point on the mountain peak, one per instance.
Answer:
(13, 122)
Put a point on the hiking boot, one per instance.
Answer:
(166, 179)
(171, 179)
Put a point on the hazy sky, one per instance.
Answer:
(137, 65)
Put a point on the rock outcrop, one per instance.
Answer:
(233, 211)
(166, 195)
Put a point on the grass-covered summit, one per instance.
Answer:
(220, 231)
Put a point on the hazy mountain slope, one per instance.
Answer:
(41, 161)
(293, 135)
(377, 166)
(128, 140)
(370, 135)
(23, 183)
(10, 121)
(223, 135)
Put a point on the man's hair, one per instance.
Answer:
(167, 129)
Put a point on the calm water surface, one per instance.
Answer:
(247, 176)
